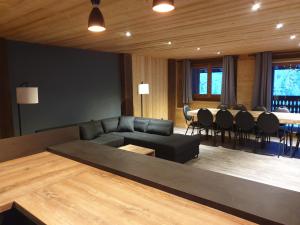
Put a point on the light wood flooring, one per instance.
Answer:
(281, 172)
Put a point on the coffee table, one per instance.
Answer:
(138, 149)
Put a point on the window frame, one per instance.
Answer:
(276, 98)
(208, 96)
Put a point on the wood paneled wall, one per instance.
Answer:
(6, 124)
(245, 80)
(126, 84)
(153, 71)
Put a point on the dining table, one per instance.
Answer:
(284, 118)
(290, 119)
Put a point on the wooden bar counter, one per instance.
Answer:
(51, 189)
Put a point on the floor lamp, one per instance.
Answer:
(25, 96)
(143, 90)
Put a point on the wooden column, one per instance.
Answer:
(6, 120)
(172, 89)
(126, 84)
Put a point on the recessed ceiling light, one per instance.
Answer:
(169, 43)
(256, 6)
(218, 53)
(163, 6)
(198, 49)
(279, 25)
(128, 34)
(293, 36)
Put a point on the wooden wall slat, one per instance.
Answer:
(6, 121)
(171, 89)
(126, 84)
(153, 71)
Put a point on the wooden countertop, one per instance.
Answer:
(251, 200)
(55, 190)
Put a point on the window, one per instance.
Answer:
(286, 86)
(207, 82)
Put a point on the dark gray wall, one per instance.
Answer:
(74, 85)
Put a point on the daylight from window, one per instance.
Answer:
(286, 81)
(203, 81)
(216, 81)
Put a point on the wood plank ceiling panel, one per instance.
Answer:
(216, 25)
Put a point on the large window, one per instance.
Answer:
(286, 86)
(207, 82)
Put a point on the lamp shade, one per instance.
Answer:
(162, 6)
(96, 21)
(143, 89)
(27, 95)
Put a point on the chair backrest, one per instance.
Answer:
(223, 106)
(239, 107)
(282, 109)
(244, 121)
(186, 108)
(205, 118)
(224, 119)
(268, 123)
(260, 108)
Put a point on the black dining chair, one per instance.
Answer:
(282, 109)
(260, 108)
(189, 120)
(239, 107)
(298, 141)
(288, 128)
(223, 123)
(268, 125)
(205, 120)
(244, 125)
(223, 106)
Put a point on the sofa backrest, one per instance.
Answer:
(92, 129)
(154, 126)
(161, 127)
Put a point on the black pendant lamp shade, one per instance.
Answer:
(163, 5)
(96, 19)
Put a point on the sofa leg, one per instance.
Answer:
(197, 156)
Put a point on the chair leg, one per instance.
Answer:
(193, 130)
(187, 129)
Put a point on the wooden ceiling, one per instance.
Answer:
(228, 26)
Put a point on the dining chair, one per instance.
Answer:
(205, 120)
(189, 120)
(223, 106)
(244, 125)
(288, 128)
(239, 107)
(223, 123)
(298, 141)
(268, 125)
(260, 108)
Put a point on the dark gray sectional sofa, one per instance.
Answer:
(150, 133)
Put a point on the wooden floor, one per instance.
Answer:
(56, 190)
(281, 172)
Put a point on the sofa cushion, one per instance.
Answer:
(109, 139)
(141, 124)
(88, 131)
(126, 124)
(110, 125)
(161, 127)
(99, 127)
